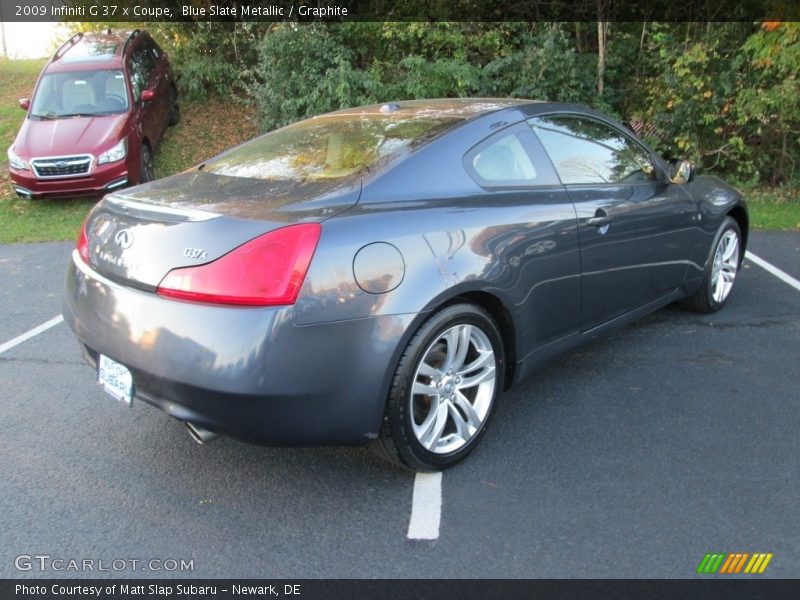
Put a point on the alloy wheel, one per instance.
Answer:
(726, 265)
(453, 389)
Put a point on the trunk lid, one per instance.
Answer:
(138, 235)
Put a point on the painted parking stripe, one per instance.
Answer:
(426, 507)
(782, 275)
(29, 334)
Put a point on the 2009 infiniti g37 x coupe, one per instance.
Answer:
(380, 274)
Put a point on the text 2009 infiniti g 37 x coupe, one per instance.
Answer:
(380, 274)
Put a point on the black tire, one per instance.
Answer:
(146, 171)
(397, 441)
(704, 300)
(174, 108)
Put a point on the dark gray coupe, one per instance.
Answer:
(380, 274)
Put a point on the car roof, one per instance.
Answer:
(92, 50)
(464, 108)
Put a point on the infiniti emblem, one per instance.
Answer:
(124, 238)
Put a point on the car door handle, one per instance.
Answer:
(599, 221)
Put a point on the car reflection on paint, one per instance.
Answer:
(381, 274)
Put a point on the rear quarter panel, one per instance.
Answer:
(520, 246)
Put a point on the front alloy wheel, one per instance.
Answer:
(725, 266)
(444, 390)
(721, 270)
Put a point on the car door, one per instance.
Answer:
(143, 112)
(150, 115)
(636, 229)
(158, 81)
(536, 246)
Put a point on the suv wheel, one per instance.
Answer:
(145, 165)
(174, 108)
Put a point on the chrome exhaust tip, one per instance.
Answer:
(200, 435)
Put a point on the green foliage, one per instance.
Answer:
(726, 95)
(544, 66)
(767, 109)
(305, 70)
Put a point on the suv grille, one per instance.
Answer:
(67, 166)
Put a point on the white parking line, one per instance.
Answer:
(29, 334)
(782, 275)
(426, 507)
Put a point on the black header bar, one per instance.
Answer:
(397, 10)
(386, 589)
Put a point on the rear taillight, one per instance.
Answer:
(82, 244)
(266, 271)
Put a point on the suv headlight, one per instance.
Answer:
(15, 162)
(116, 153)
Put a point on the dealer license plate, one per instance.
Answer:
(116, 379)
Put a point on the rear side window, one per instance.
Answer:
(504, 160)
(585, 151)
(509, 158)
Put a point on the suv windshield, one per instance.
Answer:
(80, 93)
(328, 147)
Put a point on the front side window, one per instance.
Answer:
(140, 69)
(328, 147)
(585, 151)
(80, 93)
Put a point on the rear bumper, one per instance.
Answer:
(102, 179)
(249, 373)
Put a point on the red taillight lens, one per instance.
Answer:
(266, 271)
(82, 244)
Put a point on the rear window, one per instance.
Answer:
(328, 147)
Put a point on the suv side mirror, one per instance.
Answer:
(24, 103)
(680, 171)
(148, 95)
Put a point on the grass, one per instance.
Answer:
(775, 209)
(207, 128)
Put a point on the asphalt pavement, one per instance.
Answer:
(633, 456)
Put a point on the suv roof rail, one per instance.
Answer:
(132, 35)
(67, 45)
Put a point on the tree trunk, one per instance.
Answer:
(601, 50)
(3, 33)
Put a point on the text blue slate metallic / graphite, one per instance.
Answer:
(380, 274)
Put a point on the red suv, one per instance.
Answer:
(100, 108)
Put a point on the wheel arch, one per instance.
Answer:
(497, 310)
(739, 214)
(492, 304)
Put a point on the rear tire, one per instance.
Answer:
(444, 390)
(146, 172)
(174, 108)
(722, 267)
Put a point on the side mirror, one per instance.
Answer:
(681, 171)
(24, 103)
(148, 95)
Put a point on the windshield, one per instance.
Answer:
(328, 147)
(80, 93)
